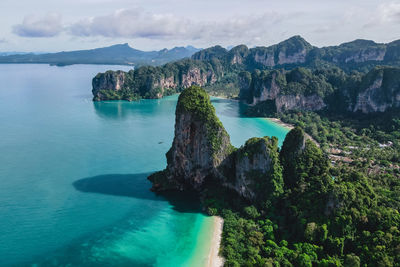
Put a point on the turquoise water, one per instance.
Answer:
(73, 173)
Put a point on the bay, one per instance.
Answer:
(73, 173)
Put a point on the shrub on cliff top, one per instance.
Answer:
(196, 101)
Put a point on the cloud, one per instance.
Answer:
(136, 23)
(386, 14)
(33, 26)
(3, 41)
(132, 23)
(390, 12)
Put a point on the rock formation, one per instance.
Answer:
(110, 80)
(257, 170)
(293, 75)
(201, 146)
(153, 82)
(380, 91)
(286, 92)
(301, 89)
(201, 150)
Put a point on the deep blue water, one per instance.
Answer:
(73, 187)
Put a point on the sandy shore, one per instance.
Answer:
(214, 259)
(278, 121)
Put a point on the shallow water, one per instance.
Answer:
(73, 173)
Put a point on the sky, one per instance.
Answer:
(63, 25)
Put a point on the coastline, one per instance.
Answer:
(214, 259)
(281, 123)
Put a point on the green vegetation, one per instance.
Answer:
(340, 215)
(268, 185)
(123, 94)
(196, 101)
(315, 71)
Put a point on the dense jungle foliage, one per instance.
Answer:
(328, 214)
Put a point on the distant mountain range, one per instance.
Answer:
(120, 54)
(16, 53)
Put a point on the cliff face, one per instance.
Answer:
(380, 91)
(196, 77)
(299, 102)
(202, 152)
(257, 73)
(201, 145)
(110, 80)
(296, 51)
(151, 82)
(358, 51)
(291, 51)
(301, 89)
(265, 89)
(277, 86)
(255, 164)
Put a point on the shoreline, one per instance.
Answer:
(281, 123)
(214, 259)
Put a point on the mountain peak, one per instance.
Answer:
(296, 40)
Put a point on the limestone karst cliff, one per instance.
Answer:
(306, 90)
(152, 82)
(379, 91)
(110, 80)
(293, 75)
(201, 146)
(202, 151)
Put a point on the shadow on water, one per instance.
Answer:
(137, 186)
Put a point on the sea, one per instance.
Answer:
(73, 173)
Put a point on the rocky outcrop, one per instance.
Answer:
(273, 91)
(196, 77)
(379, 91)
(168, 82)
(295, 57)
(291, 51)
(150, 82)
(202, 152)
(265, 58)
(110, 80)
(367, 55)
(299, 102)
(365, 100)
(265, 89)
(238, 55)
(276, 86)
(201, 145)
(255, 162)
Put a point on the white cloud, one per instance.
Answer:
(34, 26)
(205, 23)
(132, 23)
(390, 12)
(136, 23)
